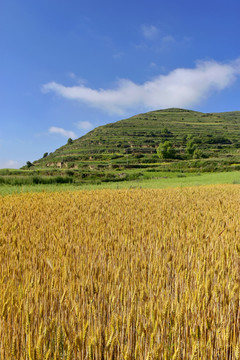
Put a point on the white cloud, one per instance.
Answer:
(182, 87)
(149, 31)
(84, 125)
(13, 164)
(61, 131)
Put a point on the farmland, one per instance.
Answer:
(132, 143)
(121, 274)
(133, 150)
(127, 150)
(149, 180)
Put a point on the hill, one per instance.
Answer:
(134, 141)
(127, 150)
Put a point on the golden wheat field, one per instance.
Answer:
(127, 274)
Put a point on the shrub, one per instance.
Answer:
(197, 154)
(191, 147)
(166, 150)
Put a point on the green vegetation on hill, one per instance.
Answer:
(135, 140)
(171, 140)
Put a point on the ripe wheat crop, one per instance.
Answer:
(128, 274)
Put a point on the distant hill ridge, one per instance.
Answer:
(135, 140)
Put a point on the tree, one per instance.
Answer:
(29, 164)
(166, 150)
(70, 141)
(45, 154)
(191, 147)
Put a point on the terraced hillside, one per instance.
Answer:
(135, 140)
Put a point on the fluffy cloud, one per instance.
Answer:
(84, 125)
(183, 87)
(61, 131)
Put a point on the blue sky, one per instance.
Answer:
(67, 66)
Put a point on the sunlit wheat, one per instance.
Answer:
(128, 274)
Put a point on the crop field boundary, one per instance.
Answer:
(161, 181)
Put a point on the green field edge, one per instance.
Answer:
(155, 183)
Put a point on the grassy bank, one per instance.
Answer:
(163, 180)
